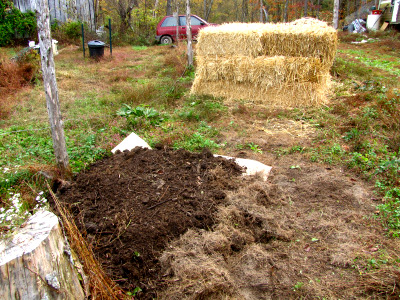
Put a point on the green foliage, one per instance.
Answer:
(141, 116)
(14, 24)
(254, 147)
(196, 142)
(72, 29)
(298, 286)
(200, 108)
(390, 211)
(22, 148)
(71, 32)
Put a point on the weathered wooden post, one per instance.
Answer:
(50, 87)
(189, 35)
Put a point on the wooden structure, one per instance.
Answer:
(63, 10)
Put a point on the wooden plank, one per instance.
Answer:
(384, 25)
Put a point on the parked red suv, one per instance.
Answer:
(166, 29)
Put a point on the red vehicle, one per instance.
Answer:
(166, 29)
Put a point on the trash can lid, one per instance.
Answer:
(96, 44)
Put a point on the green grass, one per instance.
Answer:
(139, 48)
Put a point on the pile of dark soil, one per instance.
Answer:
(130, 205)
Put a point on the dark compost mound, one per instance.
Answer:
(132, 204)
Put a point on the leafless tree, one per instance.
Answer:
(285, 12)
(305, 7)
(169, 8)
(189, 35)
(50, 87)
(207, 8)
(245, 10)
(336, 14)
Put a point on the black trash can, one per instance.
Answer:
(96, 49)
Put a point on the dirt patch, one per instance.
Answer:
(132, 204)
(181, 225)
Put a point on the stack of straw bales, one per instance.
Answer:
(283, 64)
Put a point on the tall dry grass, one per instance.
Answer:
(14, 75)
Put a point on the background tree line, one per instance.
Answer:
(134, 21)
(140, 17)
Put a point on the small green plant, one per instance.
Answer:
(134, 292)
(298, 286)
(196, 142)
(390, 211)
(255, 148)
(141, 115)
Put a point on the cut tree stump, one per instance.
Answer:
(36, 262)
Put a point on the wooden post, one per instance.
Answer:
(83, 40)
(189, 35)
(109, 29)
(50, 87)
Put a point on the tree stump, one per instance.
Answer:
(36, 262)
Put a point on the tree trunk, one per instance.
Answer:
(176, 14)
(357, 5)
(336, 14)
(189, 35)
(236, 10)
(261, 11)
(169, 8)
(155, 8)
(245, 10)
(318, 8)
(207, 8)
(50, 87)
(265, 9)
(36, 262)
(305, 8)
(285, 13)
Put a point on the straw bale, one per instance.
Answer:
(231, 39)
(261, 71)
(305, 37)
(287, 95)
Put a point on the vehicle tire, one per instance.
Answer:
(166, 40)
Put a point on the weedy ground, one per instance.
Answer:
(146, 90)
